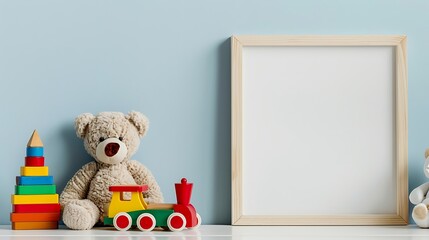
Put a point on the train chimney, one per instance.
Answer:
(183, 192)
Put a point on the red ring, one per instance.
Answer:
(34, 161)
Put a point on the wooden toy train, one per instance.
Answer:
(123, 213)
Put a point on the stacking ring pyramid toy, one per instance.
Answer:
(35, 202)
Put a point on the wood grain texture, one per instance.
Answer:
(401, 129)
(368, 219)
(35, 140)
(236, 141)
(160, 206)
(320, 40)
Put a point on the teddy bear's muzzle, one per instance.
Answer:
(111, 149)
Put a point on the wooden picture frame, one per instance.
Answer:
(252, 87)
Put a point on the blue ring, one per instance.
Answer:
(34, 151)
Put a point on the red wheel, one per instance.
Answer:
(198, 222)
(176, 222)
(146, 222)
(122, 221)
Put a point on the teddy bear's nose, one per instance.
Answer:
(111, 149)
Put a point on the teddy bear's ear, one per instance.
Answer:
(140, 121)
(81, 124)
(427, 153)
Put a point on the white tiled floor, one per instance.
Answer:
(229, 232)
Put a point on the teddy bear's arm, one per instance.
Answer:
(78, 185)
(142, 175)
(419, 193)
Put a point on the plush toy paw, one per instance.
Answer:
(80, 215)
(420, 211)
(416, 196)
(420, 215)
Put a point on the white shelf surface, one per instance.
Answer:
(228, 232)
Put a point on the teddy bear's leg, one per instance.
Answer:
(81, 214)
(421, 215)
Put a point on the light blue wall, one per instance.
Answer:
(170, 60)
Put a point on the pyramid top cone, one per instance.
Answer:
(35, 140)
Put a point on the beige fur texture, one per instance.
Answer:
(111, 138)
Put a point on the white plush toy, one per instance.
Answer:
(420, 197)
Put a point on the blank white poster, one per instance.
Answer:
(318, 130)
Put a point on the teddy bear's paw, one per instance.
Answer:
(77, 217)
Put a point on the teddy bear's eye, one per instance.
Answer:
(121, 138)
(101, 139)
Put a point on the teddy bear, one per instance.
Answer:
(111, 138)
(420, 198)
